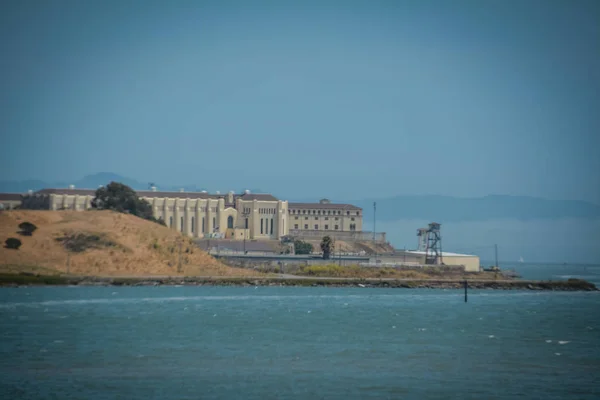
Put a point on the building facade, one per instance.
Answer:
(233, 216)
(9, 201)
(325, 216)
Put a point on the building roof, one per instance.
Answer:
(180, 195)
(444, 254)
(258, 197)
(10, 196)
(322, 206)
(72, 192)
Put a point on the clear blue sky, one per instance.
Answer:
(345, 100)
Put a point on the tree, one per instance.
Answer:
(121, 198)
(326, 247)
(301, 247)
(12, 243)
(27, 228)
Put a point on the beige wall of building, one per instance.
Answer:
(325, 216)
(470, 262)
(9, 201)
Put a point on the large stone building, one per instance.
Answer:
(233, 216)
(8, 201)
(325, 216)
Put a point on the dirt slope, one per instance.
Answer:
(102, 243)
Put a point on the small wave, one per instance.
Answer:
(189, 298)
(491, 336)
(548, 341)
(563, 341)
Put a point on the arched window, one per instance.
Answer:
(203, 225)
(170, 222)
(261, 226)
(271, 226)
(230, 222)
(193, 223)
(246, 223)
(181, 224)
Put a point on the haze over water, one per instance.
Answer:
(299, 343)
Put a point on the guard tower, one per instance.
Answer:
(422, 239)
(433, 250)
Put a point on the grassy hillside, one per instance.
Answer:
(102, 243)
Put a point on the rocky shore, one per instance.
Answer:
(15, 280)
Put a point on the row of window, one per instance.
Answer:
(318, 212)
(267, 210)
(326, 218)
(336, 227)
(171, 208)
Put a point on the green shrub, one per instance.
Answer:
(301, 247)
(80, 242)
(12, 243)
(27, 228)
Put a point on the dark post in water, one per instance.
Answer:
(466, 285)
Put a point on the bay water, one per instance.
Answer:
(301, 343)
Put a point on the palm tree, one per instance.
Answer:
(326, 247)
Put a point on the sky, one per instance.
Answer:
(308, 99)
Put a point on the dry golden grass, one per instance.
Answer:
(355, 271)
(130, 246)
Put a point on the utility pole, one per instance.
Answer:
(374, 220)
(466, 286)
(496, 254)
(179, 262)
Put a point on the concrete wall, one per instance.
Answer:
(9, 204)
(471, 263)
(349, 236)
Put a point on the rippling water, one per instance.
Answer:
(302, 343)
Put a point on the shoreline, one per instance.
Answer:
(19, 280)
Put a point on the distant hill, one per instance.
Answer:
(452, 209)
(94, 181)
(88, 182)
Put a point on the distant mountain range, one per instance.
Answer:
(93, 182)
(445, 209)
(440, 209)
